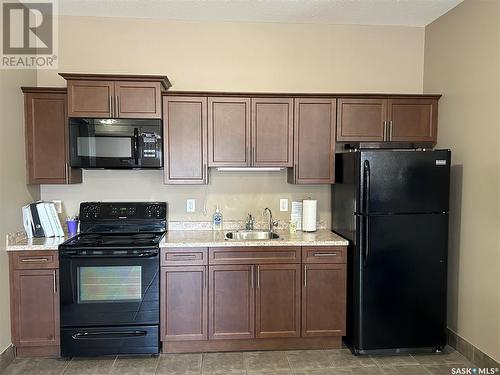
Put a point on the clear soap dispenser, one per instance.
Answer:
(217, 219)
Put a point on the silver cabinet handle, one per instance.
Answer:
(117, 107)
(252, 281)
(305, 275)
(184, 255)
(204, 276)
(385, 130)
(54, 279)
(28, 260)
(110, 106)
(325, 254)
(258, 277)
(390, 130)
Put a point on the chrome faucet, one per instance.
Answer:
(272, 223)
(249, 223)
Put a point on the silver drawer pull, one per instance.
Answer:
(35, 260)
(325, 254)
(184, 255)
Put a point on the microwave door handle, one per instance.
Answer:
(136, 146)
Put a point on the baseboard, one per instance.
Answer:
(469, 351)
(6, 358)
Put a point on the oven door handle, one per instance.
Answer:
(108, 335)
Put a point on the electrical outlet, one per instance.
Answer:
(58, 206)
(190, 205)
(283, 204)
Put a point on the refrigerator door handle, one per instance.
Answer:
(367, 241)
(366, 183)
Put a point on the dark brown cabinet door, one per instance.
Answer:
(324, 300)
(361, 120)
(413, 120)
(94, 99)
(34, 308)
(228, 132)
(137, 99)
(47, 139)
(272, 132)
(231, 302)
(277, 300)
(185, 140)
(184, 304)
(314, 149)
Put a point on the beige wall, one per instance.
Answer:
(462, 61)
(14, 192)
(232, 57)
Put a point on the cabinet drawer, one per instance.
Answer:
(34, 260)
(192, 256)
(254, 255)
(323, 254)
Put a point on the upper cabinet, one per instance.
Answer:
(272, 132)
(185, 140)
(413, 120)
(47, 157)
(229, 132)
(244, 132)
(408, 119)
(314, 143)
(115, 96)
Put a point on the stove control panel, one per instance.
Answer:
(96, 211)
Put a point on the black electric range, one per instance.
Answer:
(109, 280)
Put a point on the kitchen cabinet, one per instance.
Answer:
(246, 132)
(46, 138)
(399, 119)
(34, 303)
(314, 143)
(183, 294)
(277, 300)
(272, 132)
(185, 140)
(324, 292)
(413, 120)
(184, 303)
(115, 96)
(254, 292)
(232, 299)
(229, 132)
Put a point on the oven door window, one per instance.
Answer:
(109, 284)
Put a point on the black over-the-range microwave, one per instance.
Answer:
(115, 143)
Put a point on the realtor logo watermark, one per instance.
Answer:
(29, 34)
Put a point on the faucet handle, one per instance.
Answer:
(275, 223)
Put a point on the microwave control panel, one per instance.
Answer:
(149, 145)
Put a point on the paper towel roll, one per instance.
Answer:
(309, 207)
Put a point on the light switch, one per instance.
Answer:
(283, 204)
(190, 205)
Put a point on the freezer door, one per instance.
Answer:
(404, 181)
(403, 282)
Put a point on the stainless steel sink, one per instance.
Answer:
(251, 235)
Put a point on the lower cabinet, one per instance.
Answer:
(252, 298)
(184, 303)
(34, 303)
(232, 302)
(277, 302)
(323, 300)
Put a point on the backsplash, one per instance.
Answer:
(236, 193)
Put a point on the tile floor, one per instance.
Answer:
(302, 362)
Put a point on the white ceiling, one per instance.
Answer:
(360, 12)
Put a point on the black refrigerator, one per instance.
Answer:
(392, 206)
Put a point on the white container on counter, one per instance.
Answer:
(309, 211)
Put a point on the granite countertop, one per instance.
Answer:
(18, 241)
(210, 238)
(192, 238)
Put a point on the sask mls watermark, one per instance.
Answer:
(29, 34)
